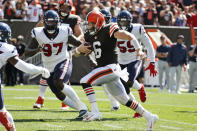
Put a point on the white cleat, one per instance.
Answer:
(151, 121)
(92, 116)
(37, 106)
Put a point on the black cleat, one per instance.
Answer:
(82, 114)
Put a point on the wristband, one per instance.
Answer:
(77, 51)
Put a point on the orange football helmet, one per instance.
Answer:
(95, 21)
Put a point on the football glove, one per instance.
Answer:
(152, 69)
(45, 73)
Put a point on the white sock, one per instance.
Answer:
(68, 91)
(146, 114)
(140, 109)
(136, 85)
(94, 107)
(70, 103)
(42, 90)
(131, 96)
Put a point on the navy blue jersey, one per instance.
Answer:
(177, 55)
(163, 49)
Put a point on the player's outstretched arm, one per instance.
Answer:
(81, 48)
(124, 35)
(28, 68)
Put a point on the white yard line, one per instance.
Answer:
(113, 126)
(51, 125)
(179, 122)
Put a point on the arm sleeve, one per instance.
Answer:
(28, 68)
(112, 29)
(148, 44)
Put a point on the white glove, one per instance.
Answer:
(45, 73)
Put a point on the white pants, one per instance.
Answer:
(109, 75)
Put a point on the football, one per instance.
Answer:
(89, 44)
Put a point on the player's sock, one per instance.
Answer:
(136, 85)
(43, 87)
(133, 104)
(42, 90)
(89, 91)
(68, 91)
(70, 103)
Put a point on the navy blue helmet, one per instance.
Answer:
(51, 21)
(124, 19)
(107, 15)
(5, 32)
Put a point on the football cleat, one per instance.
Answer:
(82, 114)
(64, 106)
(137, 115)
(5, 121)
(142, 93)
(151, 121)
(115, 108)
(39, 103)
(93, 116)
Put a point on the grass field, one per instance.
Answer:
(176, 112)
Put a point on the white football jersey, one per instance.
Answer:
(53, 50)
(6, 51)
(126, 50)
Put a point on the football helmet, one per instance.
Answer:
(65, 7)
(51, 21)
(5, 32)
(124, 20)
(95, 21)
(107, 15)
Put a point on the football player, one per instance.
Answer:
(103, 39)
(68, 19)
(8, 53)
(53, 40)
(127, 56)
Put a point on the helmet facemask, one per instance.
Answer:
(124, 23)
(64, 10)
(92, 28)
(51, 25)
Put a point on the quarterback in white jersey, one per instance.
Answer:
(53, 40)
(8, 53)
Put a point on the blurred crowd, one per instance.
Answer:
(146, 12)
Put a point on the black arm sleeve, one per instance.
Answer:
(74, 40)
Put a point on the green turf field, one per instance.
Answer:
(176, 112)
